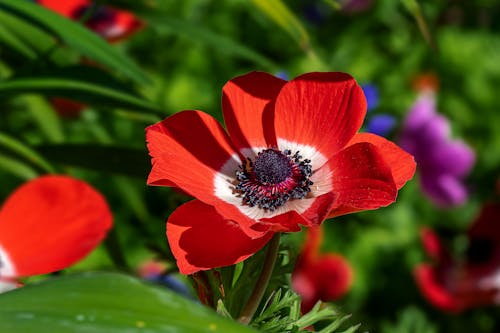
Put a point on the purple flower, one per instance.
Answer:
(371, 94)
(283, 75)
(443, 163)
(381, 124)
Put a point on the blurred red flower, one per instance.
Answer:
(452, 284)
(110, 23)
(320, 277)
(292, 157)
(50, 223)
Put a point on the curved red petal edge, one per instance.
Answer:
(432, 244)
(361, 179)
(434, 291)
(291, 221)
(65, 8)
(116, 26)
(188, 139)
(123, 25)
(402, 164)
(195, 140)
(201, 239)
(321, 110)
(248, 108)
(52, 222)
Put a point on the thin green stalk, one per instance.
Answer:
(115, 252)
(260, 286)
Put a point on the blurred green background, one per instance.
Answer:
(183, 57)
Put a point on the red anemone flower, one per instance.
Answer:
(453, 284)
(110, 23)
(320, 277)
(292, 158)
(48, 224)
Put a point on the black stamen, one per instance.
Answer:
(274, 178)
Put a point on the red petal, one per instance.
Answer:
(319, 210)
(187, 149)
(402, 164)
(362, 180)
(67, 108)
(432, 244)
(293, 219)
(244, 100)
(334, 276)
(322, 110)
(306, 288)
(122, 25)
(434, 291)
(115, 26)
(286, 222)
(52, 222)
(201, 239)
(68, 8)
(318, 276)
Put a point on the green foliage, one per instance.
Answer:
(81, 83)
(75, 36)
(281, 313)
(411, 320)
(105, 302)
(104, 158)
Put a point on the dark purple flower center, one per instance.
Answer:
(272, 167)
(273, 178)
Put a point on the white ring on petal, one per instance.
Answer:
(6, 266)
(307, 152)
(322, 181)
(6, 285)
(225, 179)
(224, 185)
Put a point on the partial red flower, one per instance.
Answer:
(291, 157)
(320, 277)
(48, 224)
(110, 23)
(457, 284)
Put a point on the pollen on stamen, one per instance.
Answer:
(273, 178)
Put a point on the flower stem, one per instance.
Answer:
(262, 282)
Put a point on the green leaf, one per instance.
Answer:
(9, 38)
(277, 11)
(414, 8)
(17, 168)
(28, 154)
(76, 36)
(104, 158)
(219, 42)
(105, 302)
(23, 37)
(46, 117)
(81, 83)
